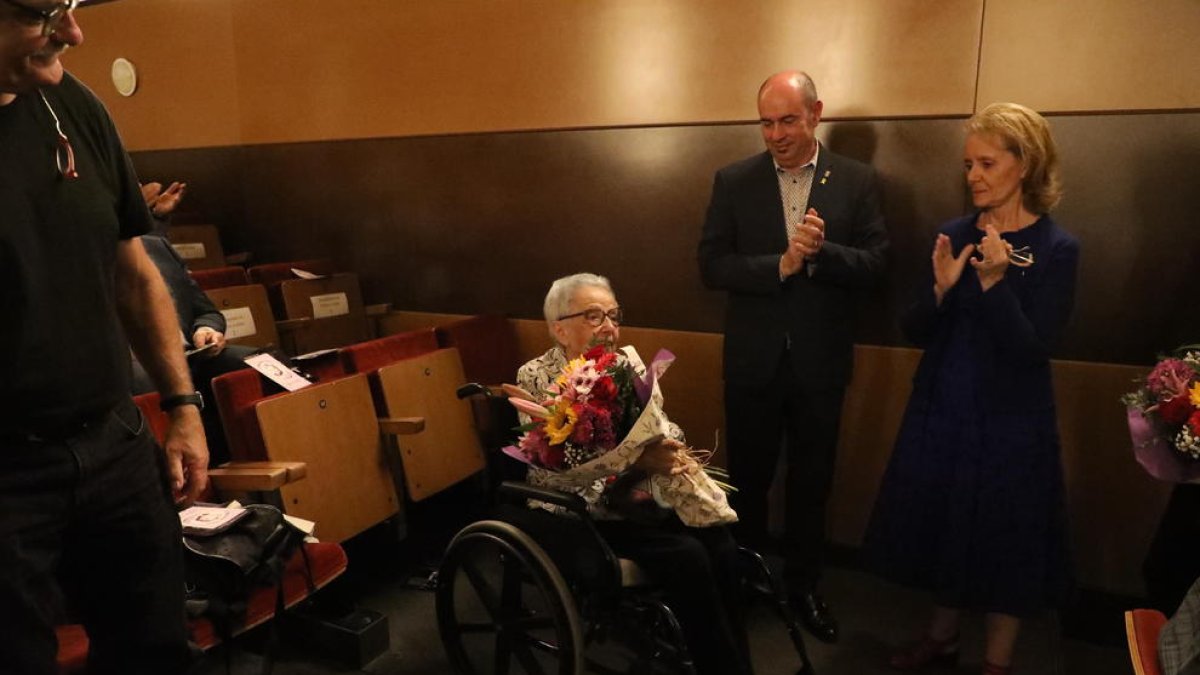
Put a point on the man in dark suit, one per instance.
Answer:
(791, 234)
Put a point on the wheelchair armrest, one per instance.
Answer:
(255, 476)
(518, 491)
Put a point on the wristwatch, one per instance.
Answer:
(172, 402)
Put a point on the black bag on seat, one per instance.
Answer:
(222, 570)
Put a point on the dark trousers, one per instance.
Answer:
(697, 569)
(759, 420)
(95, 512)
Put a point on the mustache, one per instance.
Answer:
(54, 48)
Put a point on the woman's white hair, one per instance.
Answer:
(558, 298)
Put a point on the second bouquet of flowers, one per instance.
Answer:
(1164, 417)
(604, 411)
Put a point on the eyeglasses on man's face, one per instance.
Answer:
(596, 316)
(50, 17)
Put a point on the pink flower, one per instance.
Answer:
(1170, 378)
(533, 443)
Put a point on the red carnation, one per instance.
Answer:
(605, 390)
(552, 457)
(605, 360)
(1176, 411)
(596, 352)
(1194, 423)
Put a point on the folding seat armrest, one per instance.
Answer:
(242, 258)
(255, 476)
(378, 310)
(401, 426)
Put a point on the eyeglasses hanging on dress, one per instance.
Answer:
(64, 155)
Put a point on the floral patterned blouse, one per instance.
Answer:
(536, 377)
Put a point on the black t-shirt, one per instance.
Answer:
(63, 355)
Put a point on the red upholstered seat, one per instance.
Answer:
(235, 395)
(365, 357)
(1142, 627)
(487, 345)
(220, 277)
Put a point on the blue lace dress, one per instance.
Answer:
(971, 506)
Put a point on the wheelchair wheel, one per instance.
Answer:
(503, 607)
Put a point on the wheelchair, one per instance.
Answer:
(531, 591)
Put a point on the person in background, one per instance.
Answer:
(201, 324)
(971, 507)
(87, 499)
(791, 234)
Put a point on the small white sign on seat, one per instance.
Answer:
(239, 323)
(330, 304)
(190, 251)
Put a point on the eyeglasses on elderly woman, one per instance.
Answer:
(595, 316)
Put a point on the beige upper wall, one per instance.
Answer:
(1083, 55)
(183, 50)
(229, 72)
(222, 72)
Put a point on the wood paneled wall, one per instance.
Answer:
(482, 223)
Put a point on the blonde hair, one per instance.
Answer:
(1025, 134)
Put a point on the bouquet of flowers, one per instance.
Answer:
(602, 415)
(1164, 417)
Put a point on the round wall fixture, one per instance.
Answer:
(124, 77)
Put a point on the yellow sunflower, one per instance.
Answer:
(1196, 395)
(561, 423)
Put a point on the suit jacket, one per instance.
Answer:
(192, 305)
(814, 311)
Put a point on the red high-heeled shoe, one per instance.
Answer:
(993, 669)
(928, 653)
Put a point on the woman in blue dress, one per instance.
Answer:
(971, 507)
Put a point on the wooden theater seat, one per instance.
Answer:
(248, 316)
(331, 309)
(273, 274)
(333, 428)
(448, 449)
(220, 277)
(198, 245)
(320, 564)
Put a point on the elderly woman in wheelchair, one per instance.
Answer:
(531, 588)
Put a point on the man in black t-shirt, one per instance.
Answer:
(85, 494)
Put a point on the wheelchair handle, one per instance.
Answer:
(472, 389)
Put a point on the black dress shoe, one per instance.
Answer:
(816, 616)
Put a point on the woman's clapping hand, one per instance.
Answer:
(947, 268)
(994, 261)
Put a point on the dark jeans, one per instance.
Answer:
(698, 571)
(95, 512)
(804, 419)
